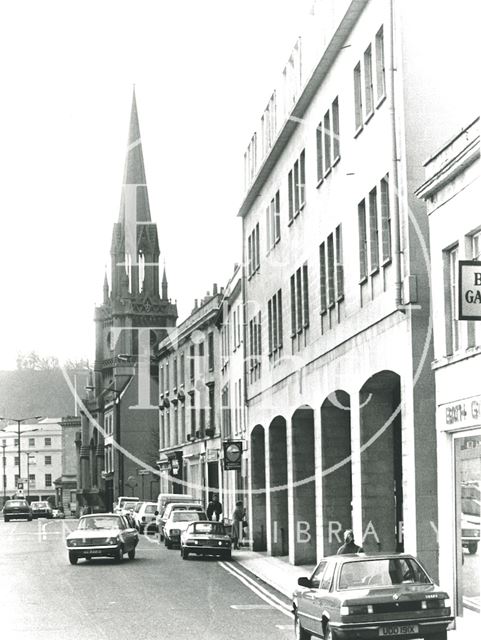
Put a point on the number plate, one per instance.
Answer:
(92, 552)
(392, 631)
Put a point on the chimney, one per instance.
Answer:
(214, 289)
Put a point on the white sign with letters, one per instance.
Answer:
(469, 290)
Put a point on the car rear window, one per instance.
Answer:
(214, 528)
(186, 516)
(99, 522)
(381, 573)
(16, 503)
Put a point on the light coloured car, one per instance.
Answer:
(144, 517)
(121, 500)
(102, 534)
(193, 505)
(177, 522)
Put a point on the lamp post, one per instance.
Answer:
(4, 475)
(19, 422)
(29, 454)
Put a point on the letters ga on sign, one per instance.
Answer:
(469, 290)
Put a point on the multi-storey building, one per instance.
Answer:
(189, 431)
(40, 459)
(119, 435)
(341, 412)
(230, 323)
(452, 193)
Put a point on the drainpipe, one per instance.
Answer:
(396, 232)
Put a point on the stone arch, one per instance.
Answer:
(258, 520)
(381, 462)
(304, 485)
(336, 469)
(279, 514)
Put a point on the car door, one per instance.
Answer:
(325, 602)
(308, 609)
(127, 534)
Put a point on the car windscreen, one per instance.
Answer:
(213, 528)
(186, 516)
(16, 503)
(99, 522)
(36, 505)
(381, 573)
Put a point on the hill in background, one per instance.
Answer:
(27, 393)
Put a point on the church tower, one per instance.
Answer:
(135, 315)
(137, 301)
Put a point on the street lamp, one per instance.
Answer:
(4, 475)
(19, 422)
(29, 454)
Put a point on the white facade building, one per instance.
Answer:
(452, 192)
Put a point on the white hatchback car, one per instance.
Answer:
(144, 517)
(177, 523)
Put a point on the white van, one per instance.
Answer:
(121, 500)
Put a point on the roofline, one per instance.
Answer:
(449, 142)
(303, 103)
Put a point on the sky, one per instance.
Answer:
(203, 72)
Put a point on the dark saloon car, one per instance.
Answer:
(206, 538)
(17, 509)
(102, 535)
(370, 596)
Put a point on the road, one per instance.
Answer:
(157, 595)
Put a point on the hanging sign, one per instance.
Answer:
(469, 290)
(232, 454)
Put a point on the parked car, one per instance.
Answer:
(178, 522)
(205, 537)
(121, 500)
(102, 534)
(164, 499)
(470, 523)
(144, 517)
(193, 505)
(16, 510)
(41, 509)
(370, 596)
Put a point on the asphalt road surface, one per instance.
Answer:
(156, 596)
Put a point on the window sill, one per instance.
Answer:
(374, 271)
(327, 172)
(319, 182)
(290, 221)
(386, 262)
(363, 280)
(380, 101)
(340, 298)
(323, 312)
(368, 117)
(358, 130)
(336, 160)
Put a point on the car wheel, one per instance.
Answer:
(472, 547)
(88, 559)
(301, 633)
(227, 555)
(29, 519)
(184, 554)
(441, 635)
(73, 559)
(328, 634)
(167, 543)
(5, 519)
(141, 529)
(132, 554)
(119, 554)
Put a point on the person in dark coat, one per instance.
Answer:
(349, 545)
(238, 517)
(214, 508)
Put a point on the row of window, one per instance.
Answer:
(374, 230)
(369, 84)
(31, 442)
(175, 378)
(232, 414)
(32, 460)
(32, 480)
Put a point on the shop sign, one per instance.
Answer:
(461, 413)
(469, 290)
(232, 454)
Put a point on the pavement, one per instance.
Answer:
(282, 576)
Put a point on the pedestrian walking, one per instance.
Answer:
(238, 517)
(214, 508)
(349, 545)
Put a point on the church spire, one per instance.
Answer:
(165, 294)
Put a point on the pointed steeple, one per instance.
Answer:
(165, 294)
(134, 205)
(106, 287)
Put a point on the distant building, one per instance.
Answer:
(119, 433)
(340, 395)
(40, 459)
(453, 195)
(189, 440)
(66, 483)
